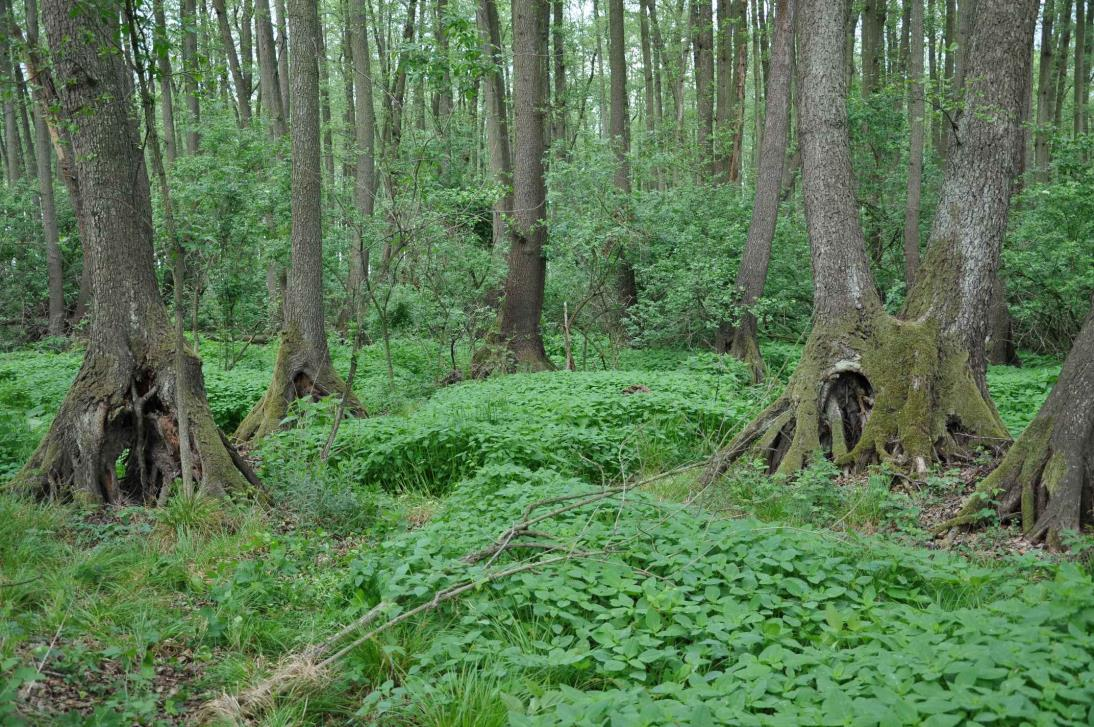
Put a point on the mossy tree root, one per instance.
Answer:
(122, 410)
(299, 371)
(1048, 475)
(868, 390)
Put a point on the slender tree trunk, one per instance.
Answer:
(364, 186)
(283, 57)
(601, 88)
(497, 125)
(13, 154)
(523, 303)
(915, 150)
(269, 83)
(324, 105)
(703, 48)
(627, 289)
(1042, 144)
(558, 53)
(242, 89)
(1062, 55)
(189, 20)
(303, 367)
(1080, 99)
(740, 73)
(723, 115)
(124, 398)
(167, 103)
(23, 101)
(752, 274)
(658, 61)
(649, 95)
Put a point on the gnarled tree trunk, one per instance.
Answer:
(1048, 475)
(871, 387)
(303, 366)
(123, 399)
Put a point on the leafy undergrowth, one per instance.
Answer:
(804, 601)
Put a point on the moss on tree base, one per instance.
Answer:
(872, 389)
(299, 371)
(115, 438)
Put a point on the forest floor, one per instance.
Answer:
(821, 599)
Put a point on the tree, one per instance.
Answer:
(1048, 475)
(908, 390)
(163, 61)
(123, 399)
(269, 84)
(915, 150)
(702, 21)
(627, 288)
(241, 82)
(189, 20)
(303, 367)
(523, 304)
(364, 183)
(752, 274)
(1045, 87)
(497, 125)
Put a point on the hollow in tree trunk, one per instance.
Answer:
(870, 387)
(121, 407)
(303, 367)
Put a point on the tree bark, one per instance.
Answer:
(1042, 144)
(1081, 93)
(303, 367)
(740, 73)
(497, 125)
(558, 52)
(871, 387)
(723, 115)
(123, 399)
(325, 115)
(703, 47)
(647, 70)
(189, 21)
(269, 83)
(752, 274)
(523, 303)
(167, 99)
(364, 184)
(915, 147)
(283, 57)
(242, 89)
(13, 154)
(627, 289)
(1048, 475)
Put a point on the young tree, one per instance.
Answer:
(907, 390)
(523, 304)
(189, 20)
(124, 397)
(1048, 475)
(167, 99)
(269, 85)
(703, 43)
(364, 183)
(915, 150)
(497, 125)
(303, 367)
(740, 341)
(627, 288)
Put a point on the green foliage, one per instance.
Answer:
(688, 620)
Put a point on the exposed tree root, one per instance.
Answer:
(873, 389)
(1048, 475)
(116, 440)
(299, 372)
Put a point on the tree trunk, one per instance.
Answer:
(915, 149)
(558, 52)
(364, 185)
(523, 303)
(1062, 55)
(647, 71)
(242, 89)
(189, 21)
(871, 387)
(752, 274)
(283, 57)
(324, 105)
(13, 154)
(269, 83)
(658, 60)
(1080, 99)
(999, 348)
(603, 96)
(1048, 475)
(723, 115)
(123, 399)
(1042, 144)
(627, 291)
(303, 367)
(740, 73)
(497, 125)
(703, 48)
(167, 102)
